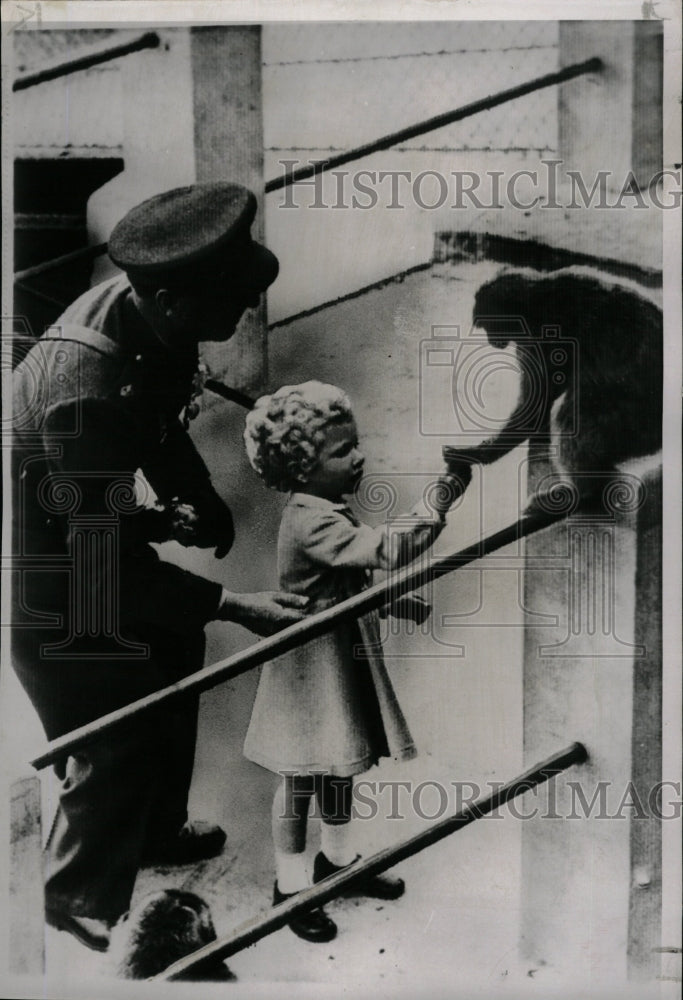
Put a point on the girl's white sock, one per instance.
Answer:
(336, 844)
(292, 872)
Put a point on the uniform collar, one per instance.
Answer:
(141, 337)
(316, 503)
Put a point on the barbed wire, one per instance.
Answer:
(404, 55)
(417, 149)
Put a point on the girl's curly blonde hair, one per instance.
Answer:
(285, 432)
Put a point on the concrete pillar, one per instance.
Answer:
(157, 142)
(591, 857)
(606, 120)
(192, 112)
(645, 903)
(228, 142)
(26, 899)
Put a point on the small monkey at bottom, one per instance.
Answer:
(164, 927)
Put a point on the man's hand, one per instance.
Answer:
(203, 520)
(184, 520)
(263, 613)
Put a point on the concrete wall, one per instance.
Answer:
(206, 90)
(593, 882)
(332, 87)
(461, 682)
(624, 132)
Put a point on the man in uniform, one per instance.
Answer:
(99, 619)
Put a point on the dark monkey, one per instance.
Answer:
(590, 350)
(163, 928)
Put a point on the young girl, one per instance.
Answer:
(327, 710)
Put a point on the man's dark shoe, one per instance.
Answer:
(378, 886)
(313, 926)
(89, 931)
(195, 841)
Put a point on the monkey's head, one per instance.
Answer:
(504, 305)
(163, 928)
(611, 316)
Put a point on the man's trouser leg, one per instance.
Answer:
(94, 847)
(168, 805)
(117, 789)
(176, 656)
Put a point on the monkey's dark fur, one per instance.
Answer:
(164, 927)
(603, 406)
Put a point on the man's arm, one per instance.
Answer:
(99, 465)
(177, 473)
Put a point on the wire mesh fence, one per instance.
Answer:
(330, 87)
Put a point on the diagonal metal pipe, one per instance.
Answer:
(93, 57)
(378, 596)
(447, 118)
(264, 924)
(593, 65)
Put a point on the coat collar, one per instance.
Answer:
(315, 503)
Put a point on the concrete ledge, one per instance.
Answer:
(525, 252)
(625, 241)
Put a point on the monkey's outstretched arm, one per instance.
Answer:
(482, 454)
(524, 422)
(509, 437)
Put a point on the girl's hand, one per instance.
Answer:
(411, 608)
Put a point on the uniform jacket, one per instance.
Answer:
(330, 705)
(87, 416)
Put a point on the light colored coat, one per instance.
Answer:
(329, 705)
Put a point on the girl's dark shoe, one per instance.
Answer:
(378, 886)
(313, 926)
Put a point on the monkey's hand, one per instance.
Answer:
(460, 460)
(449, 488)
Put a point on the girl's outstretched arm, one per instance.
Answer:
(334, 538)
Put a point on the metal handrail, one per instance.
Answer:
(263, 924)
(73, 257)
(380, 595)
(447, 118)
(568, 73)
(93, 57)
(228, 393)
